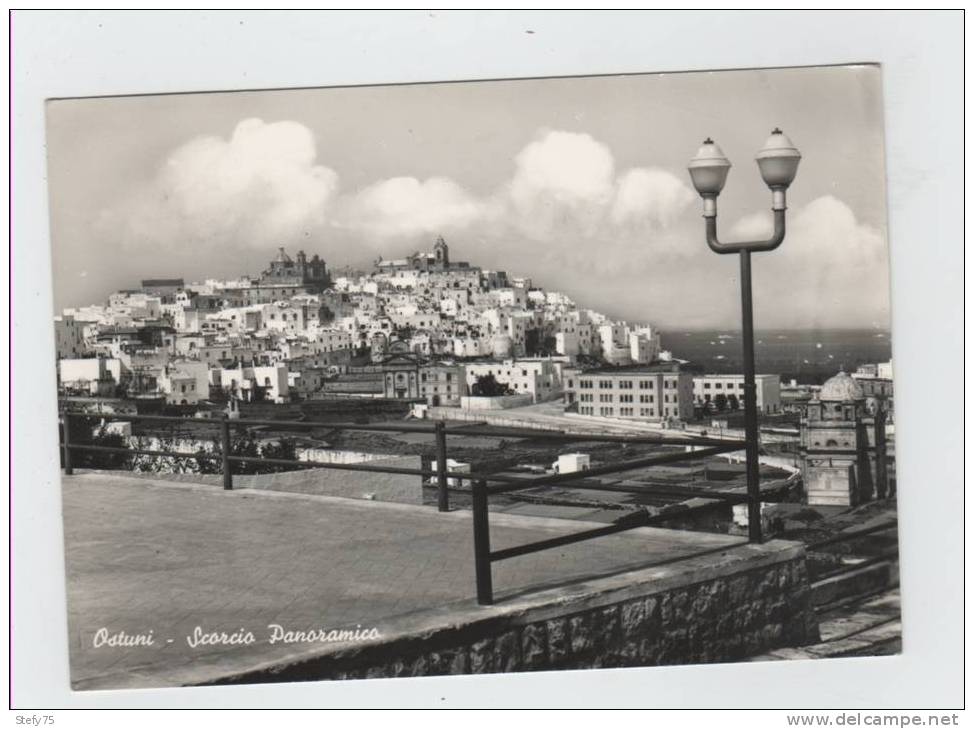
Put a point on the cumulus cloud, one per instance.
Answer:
(650, 195)
(405, 206)
(566, 215)
(263, 185)
(566, 183)
(831, 269)
(562, 168)
(258, 187)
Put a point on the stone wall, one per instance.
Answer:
(731, 615)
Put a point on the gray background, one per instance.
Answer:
(79, 54)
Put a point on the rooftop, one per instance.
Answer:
(195, 555)
(652, 369)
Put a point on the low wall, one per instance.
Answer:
(497, 418)
(501, 402)
(726, 606)
(395, 487)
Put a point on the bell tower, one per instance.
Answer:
(442, 253)
(843, 446)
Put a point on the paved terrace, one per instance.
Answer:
(155, 555)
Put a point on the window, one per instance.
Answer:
(706, 386)
(719, 386)
(605, 398)
(625, 398)
(645, 385)
(625, 384)
(605, 384)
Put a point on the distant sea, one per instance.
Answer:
(810, 356)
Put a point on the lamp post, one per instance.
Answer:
(778, 162)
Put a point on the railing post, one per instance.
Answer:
(68, 470)
(225, 452)
(481, 544)
(443, 501)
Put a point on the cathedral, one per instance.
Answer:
(285, 271)
(437, 260)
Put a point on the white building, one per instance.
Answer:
(185, 383)
(69, 340)
(244, 382)
(539, 378)
(706, 388)
(572, 462)
(646, 393)
(91, 375)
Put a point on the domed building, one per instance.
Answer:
(841, 388)
(843, 445)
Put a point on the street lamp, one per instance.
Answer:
(778, 162)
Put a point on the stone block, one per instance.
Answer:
(738, 589)
(558, 640)
(673, 607)
(482, 656)
(639, 618)
(606, 626)
(767, 583)
(451, 661)
(507, 652)
(778, 611)
(378, 672)
(674, 646)
(582, 633)
(534, 652)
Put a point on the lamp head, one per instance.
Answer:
(778, 161)
(708, 169)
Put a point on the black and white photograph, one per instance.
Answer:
(464, 378)
(531, 374)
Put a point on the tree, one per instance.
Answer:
(285, 449)
(246, 447)
(488, 386)
(204, 460)
(733, 402)
(85, 430)
(720, 402)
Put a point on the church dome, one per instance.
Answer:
(841, 388)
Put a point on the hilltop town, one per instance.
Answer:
(423, 327)
(450, 340)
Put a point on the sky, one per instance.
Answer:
(579, 183)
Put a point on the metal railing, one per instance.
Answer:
(886, 555)
(483, 485)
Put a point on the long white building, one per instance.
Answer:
(707, 388)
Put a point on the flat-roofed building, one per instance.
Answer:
(654, 392)
(538, 377)
(707, 388)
